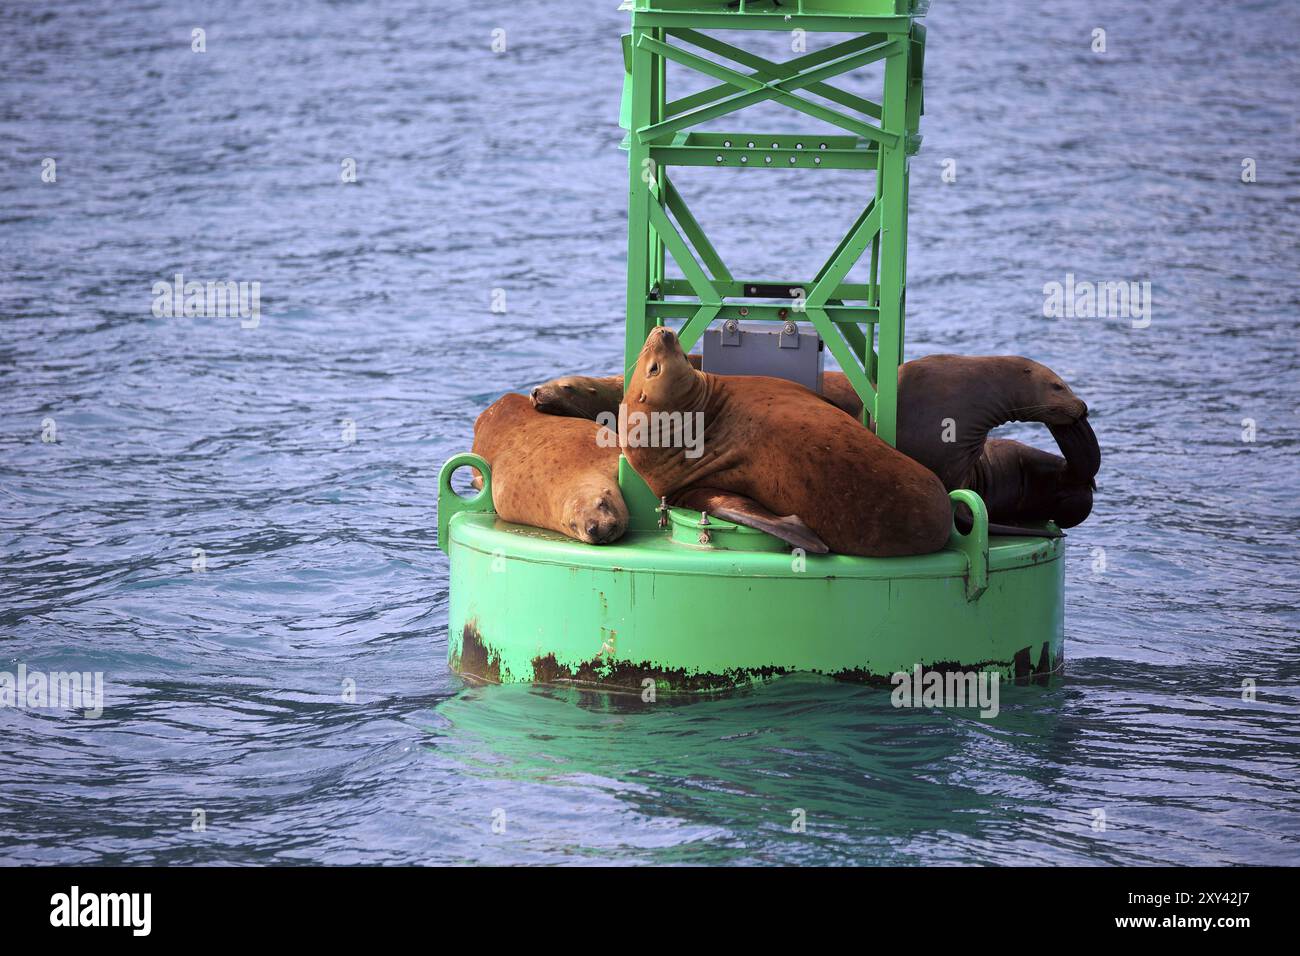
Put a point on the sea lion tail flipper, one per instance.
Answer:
(748, 512)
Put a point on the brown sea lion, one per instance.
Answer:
(837, 390)
(549, 471)
(1019, 483)
(579, 396)
(778, 458)
(948, 404)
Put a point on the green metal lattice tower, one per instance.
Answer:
(861, 323)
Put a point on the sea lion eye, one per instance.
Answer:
(654, 368)
(1057, 386)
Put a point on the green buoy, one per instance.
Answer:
(696, 604)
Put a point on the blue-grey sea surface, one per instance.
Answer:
(135, 447)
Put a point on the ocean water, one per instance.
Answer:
(227, 734)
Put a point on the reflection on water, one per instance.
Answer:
(1068, 773)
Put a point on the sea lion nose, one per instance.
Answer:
(536, 392)
(667, 336)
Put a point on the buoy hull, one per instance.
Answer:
(528, 605)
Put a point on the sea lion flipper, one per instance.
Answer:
(789, 528)
(748, 512)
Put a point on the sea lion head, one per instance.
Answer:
(663, 376)
(573, 396)
(595, 514)
(1044, 397)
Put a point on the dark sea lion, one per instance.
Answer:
(549, 471)
(779, 458)
(579, 396)
(1021, 483)
(961, 398)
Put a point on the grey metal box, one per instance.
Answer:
(764, 348)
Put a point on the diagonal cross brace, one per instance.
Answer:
(844, 243)
(849, 250)
(829, 277)
(756, 91)
(710, 301)
(691, 226)
(765, 69)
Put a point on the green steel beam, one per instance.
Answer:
(772, 151)
(812, 23)
(768, 70)
(800, 141)
(660, 137)
(764, 158)
(873, 209)
(846, 254)
(857, 340)
(657, 263)
(849, 364)
(860, 342)
(735, 288)
(757, 92)
(699, 280)
(710, 301)
(695, 326)
(640, 199)
(677, 205)
(838, 314)
(892, 183)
